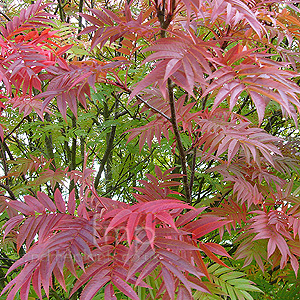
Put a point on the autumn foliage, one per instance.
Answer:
(149, 150)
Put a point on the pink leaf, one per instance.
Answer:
(131, 225)
(218, 249)
(46, 201)
(94, 285)
(151, 266)
(109, 293)
(166, 218)
(124, 288)
(168, 281)
(189, 216)
(11, 223)
(207, 228)
(150, 228)
(34, 204)
(173, 244)
(72, 202)
(60, 203)
(121, 217)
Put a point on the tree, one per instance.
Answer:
(194, 105)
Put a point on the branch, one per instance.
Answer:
(193, 169)
(80, 9)
(74, 146)
(245, 101)
(7, 188)
(5, 16)
(61, 11)
(153, 108)
(16, 127)
(146, 103)
(109, 147)
(4, 159)
(49, 144)
(8, 151)
(179, 141)
(164, 24)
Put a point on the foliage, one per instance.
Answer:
(149, 150)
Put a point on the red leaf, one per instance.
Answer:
(60, 203)
(173, 244)
(131, 225)
(109, 293)
(11, 223)
(24, 231)
(150, 228)
(36, 282)
(63, 49)
(203, 247)
(90, 272)
(140, 261)
(162, 205)
(121, 217)
(177, 273)
(22, 207)
(151, 266)
(124, 288)
(207, 228)
(166, 218)
(94, 285)
(72, 202)
(183, 293)
(24, 291)
(189, 216)
(182, 263)
(218, 249)
(168, 280)
(46, 201)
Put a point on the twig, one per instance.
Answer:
(16, 127)
(4, 267)
(5, 16)
(80, 9)
(7, 188)
(153, 108)
(193, 169)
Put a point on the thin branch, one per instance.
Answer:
(133, 167)
(7, 188)
(179, 141)
(125, 111)
(4, 267)
(4, 159)
(153, 108)
(108, 150)
(61, 11)
(250, 112)
(16, 127)
(74, 145)
(193, 169)
(8, 151)
(80, 8)
(49, 143)
(5, 16)
(247, 98)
